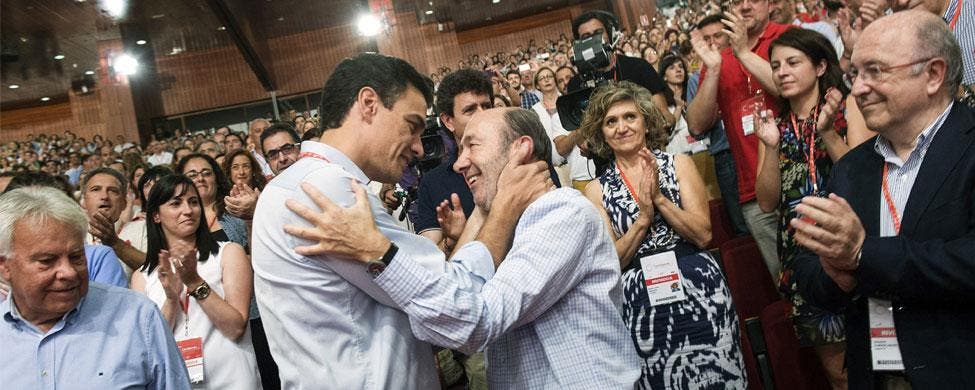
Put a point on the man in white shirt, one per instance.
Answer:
(159, 155)
(328, 324)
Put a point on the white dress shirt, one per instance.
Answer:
(328, 324)
(548, 318)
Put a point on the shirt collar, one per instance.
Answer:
(336, 157)
(9, 312)
(884, 149)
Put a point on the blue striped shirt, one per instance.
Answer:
(901, 174)
(964, 31)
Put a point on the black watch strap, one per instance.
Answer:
(390, 253)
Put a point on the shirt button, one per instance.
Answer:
(43, 372)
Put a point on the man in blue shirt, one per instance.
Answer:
(64, 331)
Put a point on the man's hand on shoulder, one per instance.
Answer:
(342, 232)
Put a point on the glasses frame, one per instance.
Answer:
(882, 72)
(275, 153)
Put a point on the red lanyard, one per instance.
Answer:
(811, 158)
(627, 182)
(314, 155)
(891, 208)
(954, 20)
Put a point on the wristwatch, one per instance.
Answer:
(201, 292)
(376, 267)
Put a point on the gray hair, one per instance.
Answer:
(522, 122)
(934, 40)
(40, 205)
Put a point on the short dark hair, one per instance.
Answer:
(36, 178)
(280, 127)
(710, 19)
(456, 83)
(606, 18)
(162, 191)
(314, 132)
(388, 76)
(122, 182)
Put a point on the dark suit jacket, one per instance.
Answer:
(928, 271)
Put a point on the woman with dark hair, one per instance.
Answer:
(213, 186)
(243, 169)
(795, 158)
(134, 232)
(185, 261)
(675, 76)
(655, 206)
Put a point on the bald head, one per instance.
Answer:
(510, 124)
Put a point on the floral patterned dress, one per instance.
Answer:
(814, 326)
(693, 343)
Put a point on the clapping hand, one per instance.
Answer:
(828, 114)
(736, 32)
(650, 185)
(242, 201)
(184, 260)
(170, 280)
(102, 228)
(768, 130)
(708, 53)
(450, 216)
(831, 229)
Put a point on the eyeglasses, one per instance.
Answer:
(194, 174)
(286, 149)
(875, 73)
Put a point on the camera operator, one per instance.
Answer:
(620, 68)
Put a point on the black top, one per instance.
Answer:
(437, 185)
(636, 70)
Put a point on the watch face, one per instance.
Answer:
(375, 268)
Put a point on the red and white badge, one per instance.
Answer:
(884, 349)
(748, 109)
(192, 351)
(665, 284)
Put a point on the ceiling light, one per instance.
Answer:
(495, 1)
(89, 72)
(429, 12)
(44, 99)
(281, 18)
(221, 28)
(115, 8)
(140, 42)
(59, 57)
(369, 25)
(13, 86)
(126, 64)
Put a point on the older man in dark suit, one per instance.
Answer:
(894, 244)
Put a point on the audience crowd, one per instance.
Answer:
(535, 255)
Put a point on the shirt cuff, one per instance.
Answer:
(476, 258)
(404, 279)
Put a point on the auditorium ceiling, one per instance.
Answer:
(49, 47)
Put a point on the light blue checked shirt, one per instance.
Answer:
(328, 324)
(548, 317)
(902, 174)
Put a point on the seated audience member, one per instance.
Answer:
(654, 203)
(562, 76)
(59, 330)
(247, 183)
(254, 131)
(210, 148)
(232, 142)
(549, 312)
(185, 260)
(213, 188)
(280, 145)
(103, 265)
(891, 246)
(813, 120)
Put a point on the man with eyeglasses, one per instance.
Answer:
(735, 82)
(892, 245)
(280, 144)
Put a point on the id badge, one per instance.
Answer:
(885, 352)
(748, 109)
(192, 351)
(698, 146)
(664, 282)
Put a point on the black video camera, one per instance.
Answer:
(589, 55)
(433, 147)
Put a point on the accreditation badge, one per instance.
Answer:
(749, 108)
(192, 351)
(886, 353)
(665, 284)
